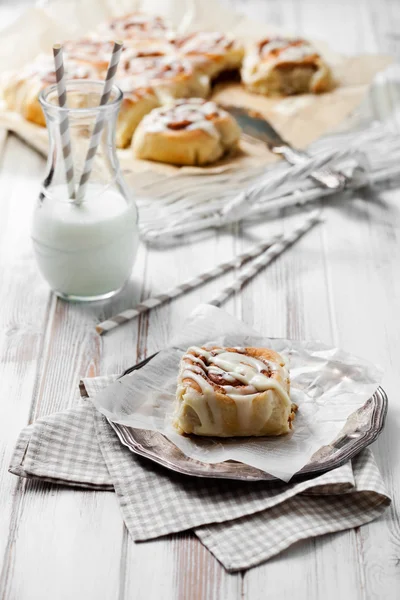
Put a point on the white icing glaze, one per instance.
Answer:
(206, 126)
(245, 370)
(208, 108)
(155, 68)
(88, 49)
(296, 53)
(136, 25)
(131, 84)
(211, 42)
(258, 63)
(290, 50)
(43, 68)
(195, 111)
(235, 366)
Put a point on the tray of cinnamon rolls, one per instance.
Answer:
(167, 78)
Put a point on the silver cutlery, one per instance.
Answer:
(253, 124)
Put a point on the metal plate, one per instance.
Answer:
(361, 429)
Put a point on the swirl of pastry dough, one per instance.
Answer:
(286, 50)
(136, 49)
(139, 99)
(194, 113)
(21, 91)
(43, 69)
(136, 25)
(89, 50)
(205, 42)
(283, 66)
(170, 76)
(154, 66)
(233, 392)
(234, 371)
(97, 52)
(211, 52)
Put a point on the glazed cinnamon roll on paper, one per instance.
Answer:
(210, 51)
(189, 132)
(21, 90)
(135, 25)
(279, 66)
(228, 392)
(169, 76)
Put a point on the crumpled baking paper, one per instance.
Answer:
(327, 384)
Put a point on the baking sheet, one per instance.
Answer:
(301, 119)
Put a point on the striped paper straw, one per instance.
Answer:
(189, 285)
(100, 120)
(64, 123)
(266, 258)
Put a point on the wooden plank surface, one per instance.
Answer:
(341, 283)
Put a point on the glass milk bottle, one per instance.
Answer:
(85, 246)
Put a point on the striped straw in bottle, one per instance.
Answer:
(99, 124)
(266, 258)
(64, 123)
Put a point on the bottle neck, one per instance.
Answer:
(71, 130)
(104, 163)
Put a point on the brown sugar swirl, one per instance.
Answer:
(233, 370)
(136, 25)
(194, 113)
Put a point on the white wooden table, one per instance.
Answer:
(341, 283)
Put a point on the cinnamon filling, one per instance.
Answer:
(181, 119)
(176, 125)
(154, 64)
(86, 48)
(202, 368)
(138, 22)
(203, 43)
(297, 49)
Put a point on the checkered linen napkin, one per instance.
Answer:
(242, 524)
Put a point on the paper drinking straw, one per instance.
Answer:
(253, 200)
(64, 123)
(266, 258)
(189, 285)
(100, 120)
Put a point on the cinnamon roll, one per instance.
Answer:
(228, 392)
(134, 49)
(135, 25)
(211, 52)
(89, 50)
(169, 76)
(138, 100)
(97, 52)
(21, 90)
(279, 66)
(189, 132)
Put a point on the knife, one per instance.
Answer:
(254, 124)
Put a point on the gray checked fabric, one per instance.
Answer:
(242, 524)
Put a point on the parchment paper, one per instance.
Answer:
(300, 119)
(327, 383)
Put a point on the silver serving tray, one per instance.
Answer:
(361, 429)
